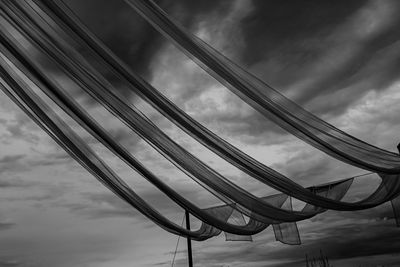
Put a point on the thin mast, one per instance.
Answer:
(189, 240)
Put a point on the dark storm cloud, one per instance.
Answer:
(131, 37)
(126, 33)
(274, 24)
(316, 52)
(288, 39)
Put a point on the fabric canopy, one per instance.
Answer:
(49, 30)
(225, 150)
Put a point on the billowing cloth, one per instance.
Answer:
(237, 218)
(210, 179)
(49, 30)
(176, 197)
(287, 233)
(196, 130)
(267, 100)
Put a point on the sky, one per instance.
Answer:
(338, 59)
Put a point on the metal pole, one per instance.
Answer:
(189, 240)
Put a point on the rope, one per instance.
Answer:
(177, 243)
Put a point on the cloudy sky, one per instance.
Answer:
(338, 59)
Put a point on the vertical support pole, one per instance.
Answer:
(189, 240)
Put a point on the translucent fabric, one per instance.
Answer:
(335, 191)
(237, 218)
(155, 137)
(226, 151)
(287, 233)
(29, 31)
(21, 87)
(267, 100)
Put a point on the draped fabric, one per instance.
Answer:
(48, 29)
(219, 146)
(238, 219)
(336, 191)
(287, 233)
(267, 100)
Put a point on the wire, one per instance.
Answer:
(177, 243)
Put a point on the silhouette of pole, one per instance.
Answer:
(189, 240)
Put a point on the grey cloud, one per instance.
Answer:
(49, 159)
(14, 182)
(36, 193)
(11, 159)
(6, 226)
(10, 263)
(104, 205)
(372, 59)
(107, 205)
(22, 128)
(12, 164)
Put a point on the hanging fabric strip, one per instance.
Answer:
(237, 218)
(287, 233)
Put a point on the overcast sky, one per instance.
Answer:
(338, 59)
